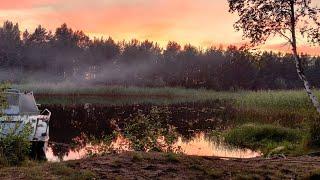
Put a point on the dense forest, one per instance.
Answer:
(68, 55)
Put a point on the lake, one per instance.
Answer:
(79, 130)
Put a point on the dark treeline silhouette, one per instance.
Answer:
(67, 55)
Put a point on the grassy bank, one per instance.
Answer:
(44, 170)
(115, 95)
(284, 99)
(257, 105)
(270, 139)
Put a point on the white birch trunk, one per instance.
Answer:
(297, 60)
(307, 87)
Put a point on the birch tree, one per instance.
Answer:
(261, 20)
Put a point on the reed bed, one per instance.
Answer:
(289, 101)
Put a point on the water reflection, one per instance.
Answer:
(79, 130)
(200, 145)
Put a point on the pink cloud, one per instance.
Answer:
(306, 49)
(132, 15)
(201, 22)
(23, 4)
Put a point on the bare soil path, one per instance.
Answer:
(136, 165)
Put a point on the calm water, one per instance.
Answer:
(199, 145)
(76, 130)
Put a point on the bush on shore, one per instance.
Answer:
(15, 148)
(263, 137)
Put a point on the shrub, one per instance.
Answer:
(144, 131)
(15, 147)
(262, 137)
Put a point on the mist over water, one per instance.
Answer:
(109, 73)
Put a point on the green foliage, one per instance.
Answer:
(263, 137)
(150, 132)
(15, 147)
(100, 146)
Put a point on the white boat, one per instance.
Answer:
(22, 111)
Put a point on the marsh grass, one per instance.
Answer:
(71, 94)
(264, 137)
(283, 100)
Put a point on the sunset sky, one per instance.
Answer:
(199, 22)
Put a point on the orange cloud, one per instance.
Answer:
(306, 49)
(23, 4)
(201, 23)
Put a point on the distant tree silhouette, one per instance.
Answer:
(239, 69)
(10, 44)
(70, 55)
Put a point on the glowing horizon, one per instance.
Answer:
(202, 23)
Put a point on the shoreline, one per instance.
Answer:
(141, 165)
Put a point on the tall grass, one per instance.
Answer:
(68, 93)
(288, 99)
(263, 101)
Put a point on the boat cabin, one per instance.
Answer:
(21, 111)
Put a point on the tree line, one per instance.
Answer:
(68, 55)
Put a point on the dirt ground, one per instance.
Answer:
(134, 165)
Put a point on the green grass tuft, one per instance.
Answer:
(172, 157)
(266, 138)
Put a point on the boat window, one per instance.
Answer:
(28, 104)
(12, 104)
(21, 104)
